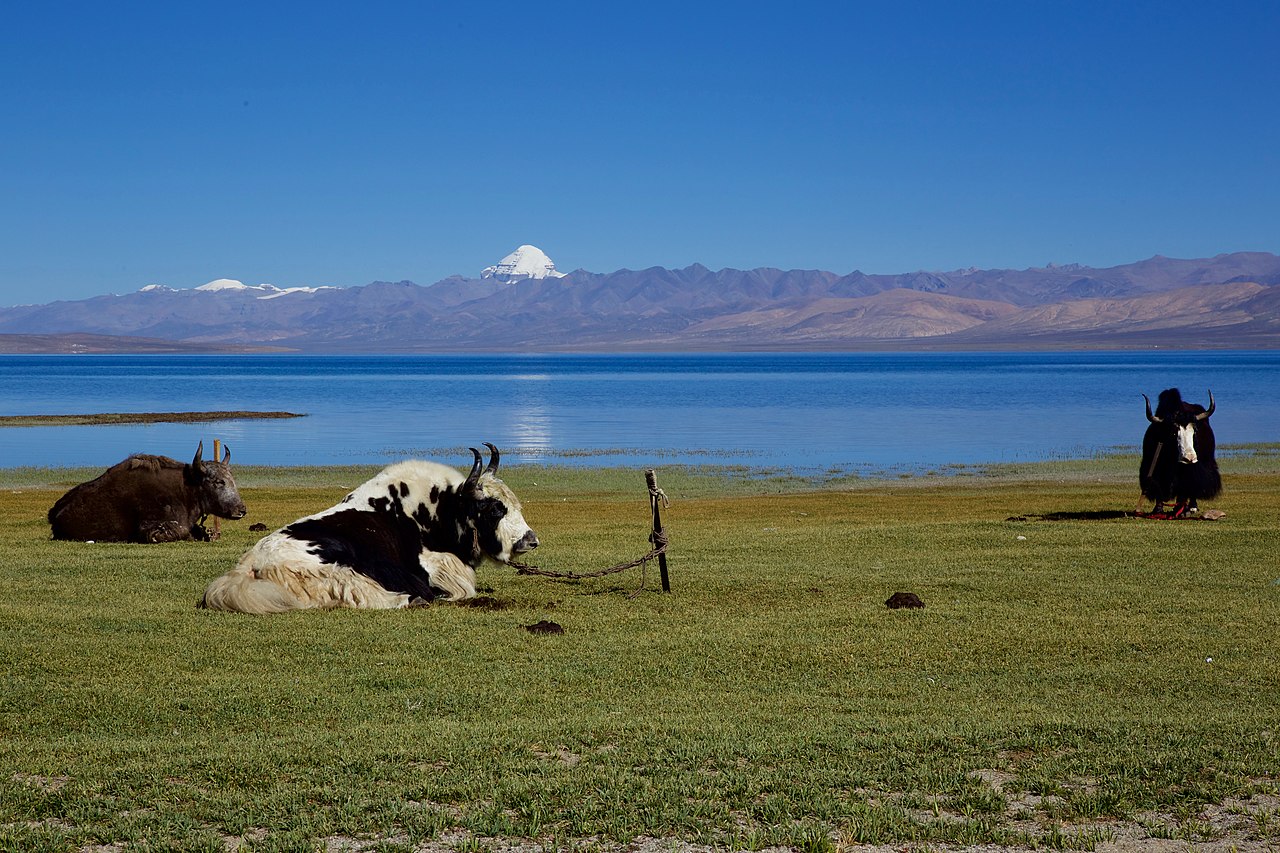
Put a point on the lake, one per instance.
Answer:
(864, 412)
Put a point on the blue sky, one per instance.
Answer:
(324, 143)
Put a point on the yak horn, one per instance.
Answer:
(226, 460)
(473, 479)
(494, 456)
(1150, 416)
(1204, 416)
(199, 453)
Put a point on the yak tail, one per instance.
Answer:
(243, 593)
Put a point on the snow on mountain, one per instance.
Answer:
(218, 285)
(222, 284)
(274, 292)
(525, 262)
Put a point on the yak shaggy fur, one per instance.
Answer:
(149, 498)
(1178, 450)
(415, 533)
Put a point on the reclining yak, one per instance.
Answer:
(149, 499)
(413, 534)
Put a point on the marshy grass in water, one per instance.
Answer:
(117, 418)
(534, 454)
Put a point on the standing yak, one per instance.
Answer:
(149, 499)
(1177, 455)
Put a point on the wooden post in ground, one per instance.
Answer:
(217, 522)
(1151, 470)
(656, 496)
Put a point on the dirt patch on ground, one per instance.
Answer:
(1136, 842)
(485, 602)
(1239, 825)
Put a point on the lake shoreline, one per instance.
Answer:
(1117, 467)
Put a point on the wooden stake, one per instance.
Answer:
(217, 522)
(1155, 457)
(657, 496)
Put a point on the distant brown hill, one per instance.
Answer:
(1230, 300)
(889, 314)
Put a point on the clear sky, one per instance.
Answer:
(324, 143)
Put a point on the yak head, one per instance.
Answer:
(494, 510)
(214, 485)
(1181, 419)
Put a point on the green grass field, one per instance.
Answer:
(1068, 683)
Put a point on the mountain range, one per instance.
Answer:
(1230, 300)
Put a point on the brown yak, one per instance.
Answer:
(149, 499)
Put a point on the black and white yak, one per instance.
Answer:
(149, 498)
(413, 534)
(1177, 455)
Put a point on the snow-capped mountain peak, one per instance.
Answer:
(525, 262)
(223, 285)
(272, 291)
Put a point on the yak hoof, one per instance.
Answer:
(164, 531)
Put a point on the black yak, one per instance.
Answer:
(1177, 455)
(149, 499)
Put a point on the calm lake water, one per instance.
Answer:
(867, 412)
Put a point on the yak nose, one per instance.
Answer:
(527, 543)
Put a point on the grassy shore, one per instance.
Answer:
(1068, 683)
